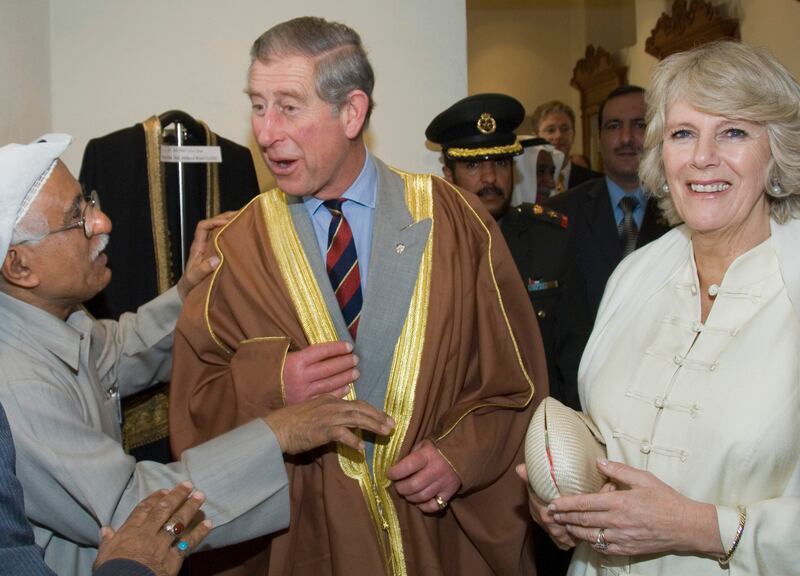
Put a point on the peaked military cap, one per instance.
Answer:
(478, 127)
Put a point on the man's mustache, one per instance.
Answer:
(490, 189)
(97, 249)
(627, 149)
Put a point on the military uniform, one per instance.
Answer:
(539, 243)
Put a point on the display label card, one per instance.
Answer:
(197, 154)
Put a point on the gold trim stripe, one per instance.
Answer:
(510, 149)
(158, 211)
(505, 319)
(406, 364)
(213, 205)
(295, 269)
(162, 245)
(214, 275)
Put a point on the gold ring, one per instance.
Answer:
(441, 502)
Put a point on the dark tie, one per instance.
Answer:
(342, 265)
(627, 228)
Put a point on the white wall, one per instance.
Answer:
(526, 53)
(24, 70)
(115, 63)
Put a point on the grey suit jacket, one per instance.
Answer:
(57, 384)
(397, 247)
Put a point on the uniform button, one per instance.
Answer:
(714, 366)
(659, 402)
(713, 290)
(697, 327)
(645, 448)
(541, 313)
(83, 336)
(678, 359)
(694, 289)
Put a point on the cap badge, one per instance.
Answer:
(486, 124)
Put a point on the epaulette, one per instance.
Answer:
(542, 213)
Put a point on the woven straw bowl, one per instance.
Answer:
(574, 444)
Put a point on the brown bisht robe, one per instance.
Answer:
(462, 375)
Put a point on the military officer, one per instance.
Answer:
(478, 144)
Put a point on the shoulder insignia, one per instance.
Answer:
(552, 216)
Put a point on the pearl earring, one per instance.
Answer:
(665, 188)
(777, 189)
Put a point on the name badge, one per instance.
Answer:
(537, 285)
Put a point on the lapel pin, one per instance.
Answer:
(399, 248)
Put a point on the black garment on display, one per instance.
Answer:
(139, 193)
(116, 166)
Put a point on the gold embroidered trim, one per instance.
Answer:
(406, 363)
(158, 211)
(505, 319)
(295, 269)
(262, 339)
(511, 149)
(287, 343)
(212, 177)
(214, 275)
(145, 417)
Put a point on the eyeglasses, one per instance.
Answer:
(88, 217)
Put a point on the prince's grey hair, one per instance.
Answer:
(341, 62)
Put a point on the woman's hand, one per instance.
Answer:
(543, 517)
(642, 516)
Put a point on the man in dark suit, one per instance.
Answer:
(611, 216)
(538, 240)
(555, 122)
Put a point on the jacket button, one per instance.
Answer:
(541, 313)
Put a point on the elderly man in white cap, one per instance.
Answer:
(62, 374)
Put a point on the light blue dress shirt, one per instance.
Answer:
(616, 193)
(359, 213)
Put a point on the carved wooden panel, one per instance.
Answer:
(595, 76)
(690, 26)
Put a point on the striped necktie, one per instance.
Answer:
(627, 229)
(342, 265)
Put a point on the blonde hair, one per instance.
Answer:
(736, 81)
(548, 108)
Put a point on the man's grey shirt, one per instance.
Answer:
(58, 384)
